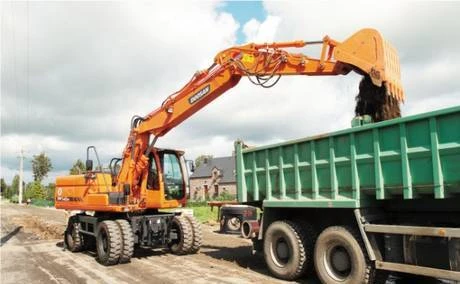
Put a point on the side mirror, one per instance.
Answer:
(89, 165)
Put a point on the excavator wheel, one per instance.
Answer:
(108, 242)
(127, 238)
(72, 237)
(197, 234)
(184, 241)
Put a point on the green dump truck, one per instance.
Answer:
(355, 204)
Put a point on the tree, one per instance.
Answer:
(14, 189)
(35, 190)
(28, 191)
(77, 168)
(41, 165)
(3, 187)
(50, 191)
(201, 159)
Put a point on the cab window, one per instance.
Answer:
(152, 180)
(174, 182)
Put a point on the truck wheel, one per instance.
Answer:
(72, 236)
(284, 250)
(310, 234)
(197, 234)
(127, 238)
(108, 242)
(183, 243)
(233, 223)
(341, 257)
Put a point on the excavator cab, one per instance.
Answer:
(166, 180)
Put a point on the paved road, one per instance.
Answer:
(28, 258)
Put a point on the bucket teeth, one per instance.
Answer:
(395, 91)
(392, 74)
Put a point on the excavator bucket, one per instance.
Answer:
(369, 52)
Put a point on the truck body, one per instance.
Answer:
(394, 184)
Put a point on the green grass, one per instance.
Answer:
(43, 203)
(203, 213)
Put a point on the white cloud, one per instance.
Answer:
(256, 31)
(420, 31)
(91, 66)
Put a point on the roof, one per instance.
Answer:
(224, 164)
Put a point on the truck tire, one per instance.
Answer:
(127, 238)
(197, 234)
(284, 250)
(72, 237)
(183, 244)
(108, 242)
(310, 234)
(340, 256)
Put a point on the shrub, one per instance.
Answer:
(43, 202)
(14, 198)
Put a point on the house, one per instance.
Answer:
(214, 177)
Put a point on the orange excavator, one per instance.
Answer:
(121, 207)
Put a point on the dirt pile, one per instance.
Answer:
(42, 229)
(374, 101)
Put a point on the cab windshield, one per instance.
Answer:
(173, 177)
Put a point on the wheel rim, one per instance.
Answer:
(234, 223)
(337, 262)
(280, 251)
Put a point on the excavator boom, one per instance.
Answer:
(365, 52)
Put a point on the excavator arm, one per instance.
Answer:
(365, 52)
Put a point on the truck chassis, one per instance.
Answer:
(360, 245)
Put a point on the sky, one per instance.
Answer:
(74, 73)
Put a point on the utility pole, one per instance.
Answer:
(21, 174)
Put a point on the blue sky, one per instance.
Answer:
(243, 11)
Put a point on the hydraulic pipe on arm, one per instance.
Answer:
(365, 52)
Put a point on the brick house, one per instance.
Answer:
(212, 178)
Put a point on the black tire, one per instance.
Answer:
(197, 233)
(285, 251)
(127, 238)
(340, 256)
(108, 242)
(72, 237)
(183, 244)
(309, 235)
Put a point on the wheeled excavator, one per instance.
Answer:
(124, 206)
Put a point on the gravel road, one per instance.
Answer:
(31, 251)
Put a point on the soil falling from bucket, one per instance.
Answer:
(374, 101)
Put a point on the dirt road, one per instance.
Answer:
(31, 252)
